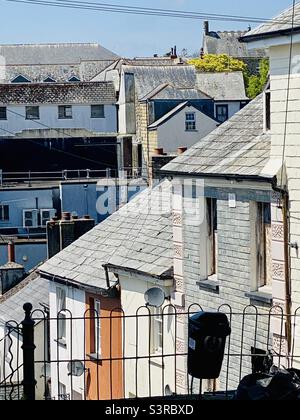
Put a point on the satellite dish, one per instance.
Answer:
(76, 368)
(155, 297)
(45, 370)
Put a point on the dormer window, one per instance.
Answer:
(20, 79)
(74, 79)
(49, 79)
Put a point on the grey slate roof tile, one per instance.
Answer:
(282, 22)
(223, 86)
(54, 93)
(237, 147)
(146, 248)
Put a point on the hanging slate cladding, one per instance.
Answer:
(56, 93)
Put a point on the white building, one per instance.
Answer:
(282, 38)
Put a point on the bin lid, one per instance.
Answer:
(211, 322)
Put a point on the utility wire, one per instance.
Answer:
(112, 8)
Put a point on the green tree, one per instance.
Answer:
(218, 63)
(256, 84)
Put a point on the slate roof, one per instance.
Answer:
(281, 23)
(227, 42)
(167, 91)
(237, 147)
(67, 53)
(148, 78)
(54, 93)
(138, 237)
(32, 290)
(223, 86)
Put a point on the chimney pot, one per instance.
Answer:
(11, 252)
(159, 151)
(87, 217)
(181, 150)
(66, 216)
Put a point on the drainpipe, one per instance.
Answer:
(288, 297)
(148, 143)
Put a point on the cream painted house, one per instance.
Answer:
(282, 38)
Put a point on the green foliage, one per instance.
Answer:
(256, 84)
(218, 63)
(212, 63)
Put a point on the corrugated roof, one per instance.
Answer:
(282, 22)
(237, 147)
(223, 86)
(54, 93)
(68, 53)
(148, 78)
(137, 237)
(32, 290)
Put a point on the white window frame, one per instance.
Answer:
(61, 298)
(97, 327)
(190, 121)
(157, 330)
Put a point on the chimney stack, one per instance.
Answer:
(11, 273)
(62, 233)
(206, 27)
(11, 252)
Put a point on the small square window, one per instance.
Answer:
(65, 112)
(190, 121)
(3, 113)
(97, 111)
(32, 113)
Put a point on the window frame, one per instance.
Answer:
(3, 108)
(97, 328)
(27, 114)
(157, 339)
(212, 226)
(263, 223)
(4, 212)
(190, 123)
(64, 116)
(61, 315)
(267, 110)
(218, 107)
(101, 108)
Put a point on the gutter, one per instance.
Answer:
(258, 37)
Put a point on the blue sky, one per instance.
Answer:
(124, 34)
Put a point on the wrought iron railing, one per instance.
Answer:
(140, 355)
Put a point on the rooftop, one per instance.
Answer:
(33, 289)
(137, 237)
(227, 42)
(56, 93)
(223, 86)
(279, 25)
(148, 78)
(238, 147)
(43, 54)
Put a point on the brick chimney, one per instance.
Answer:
(62, 233)
(11, 252)
(11, 273)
